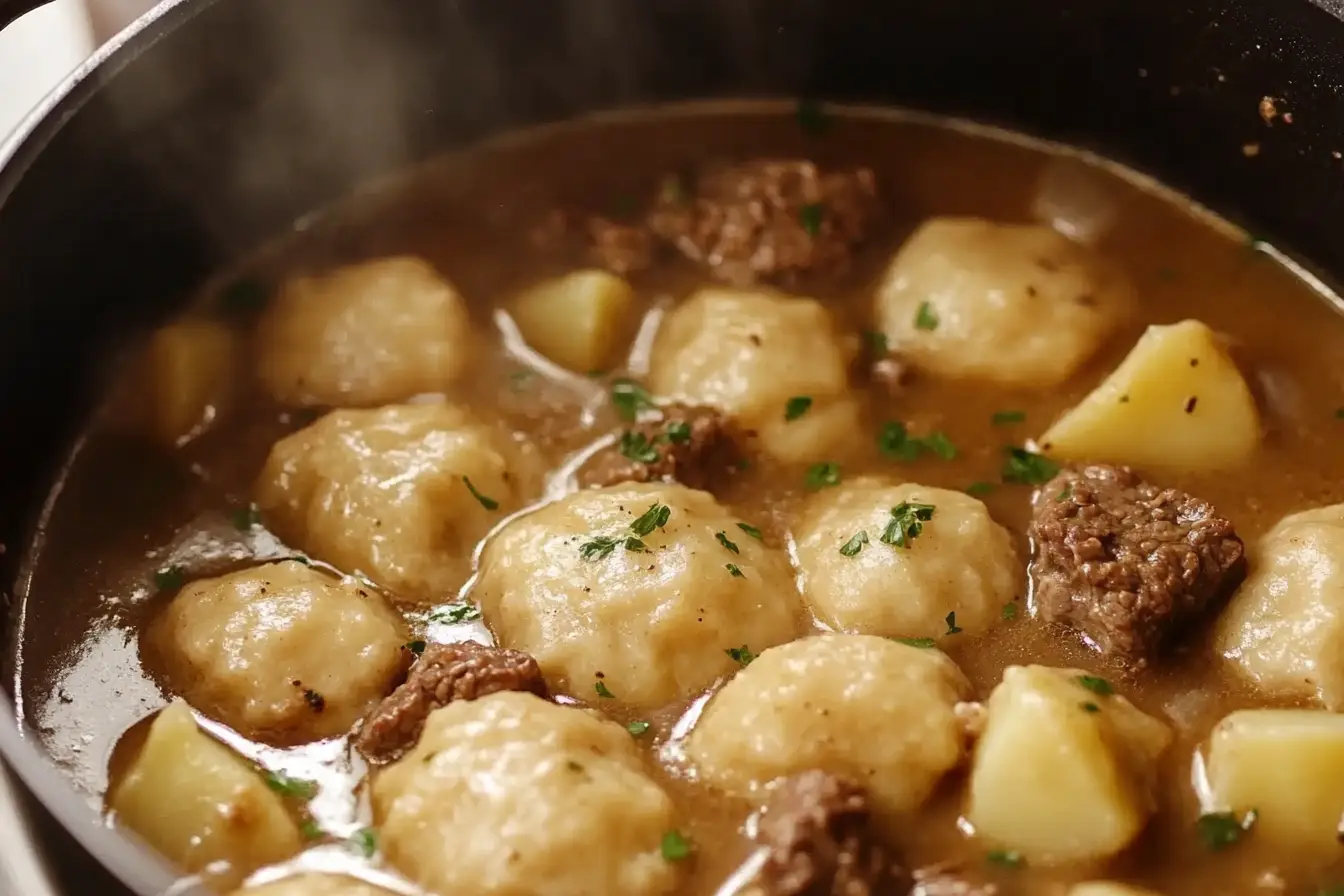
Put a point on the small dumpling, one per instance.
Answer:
(895, 560)
(1284, 627)
(648, 625)
(876, 711)
(1017, 305)
(315, 885)
(368, 334)
(201, 806)
(281, 652)
(748, 354)
(402, 493)
(510, 795)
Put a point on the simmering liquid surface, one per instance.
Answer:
(127, 509)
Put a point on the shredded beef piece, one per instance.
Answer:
(949, 880)
(710, 450)
(821, 842)
(768, 219)
(620, 248)
(1127, 562)
(444, 673)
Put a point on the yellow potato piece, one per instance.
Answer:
(196, 802)
(1108, 888)
(1062, 773)
(1287, 765)
(190, 370)
(1176, 402)
(579, 320)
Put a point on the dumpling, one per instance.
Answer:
(510, 795)
(281, 652)
(315, 885)
(876, 711)
(950, 557)
(1018, 305)
(649, 625)
(1284, 628)
(368, 334)
(748, 354)
(402, 493)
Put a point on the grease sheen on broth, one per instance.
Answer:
(88, 683)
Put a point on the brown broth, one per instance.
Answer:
(124, 510)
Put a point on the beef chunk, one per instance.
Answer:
(442, 674)
(768, 219)
(1127, 562)
(821, 842)
(697, 447)
(947, 880)
(620, 248)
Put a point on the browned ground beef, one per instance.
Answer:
(698, 447)
(1127, 562)
(819, 831)
(442, 674)
(620, 248)
(945, 880)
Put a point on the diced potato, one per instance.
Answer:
(197, 803)
(579, 320)
(1287, 765)
(1063, 773)
(190, 369)
(1176, 402)
(1108, 888)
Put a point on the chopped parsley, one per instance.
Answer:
(655, 517)
(1006, 858)
(1023, 467)
(812, 117)
(976, 489)
(675, 846)
(723, 540)
(797, 406)
(629, 398)
(637, 447)
(602, 690)
(952, 627)
(734, 570)
(283, 784)
(244, 518)
(678, 432)
(671, 190)
(876, 343)
(941, 445)
(923, 643)
(855, 544)
(636, 728)
(519, 379)
(311, 830)
(487, 503)
(243, 296)
(601, 546)
(1219, 830)
(1090, 707)
(907, 522)
(751, 530)
(1099, 686)
(1007, 418)
(1009, 612)
(810, 216)
(416, 647)
(741, 654)
(895, 442)
(926, 318)
(365, 840)
(453, 614)
(822, 475)
(170, 578)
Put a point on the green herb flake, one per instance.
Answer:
(896, 443)
(907, 522)
(655, 517)
(602, 690)
(977, 489)
(519, 379)
(1005, 858)
(940, 444)
(1023, 467)
(637, 728)
(855, 544)
(952, 627)
(283, 784)
(170, 578)
(1099, 686)
(365, 842)
(723, 540)
(1219, 830)
(487, 503)
(926, 318)
(797, 406)
(245, 518)
(599, 548)
(734, 570)
(635, 545)
(751, 530)
(672, 190)
(1065, 493)
(822, 475)
(629, 398)
(1009, 612)
(1007, 418)
(1090, 707)
(416, 647)
(678, 432)
(455, 613)
(637, 447)
(811, 217)
(311, 830)
(922, 643)
(676, 847)
(741, 655)
(875, 341)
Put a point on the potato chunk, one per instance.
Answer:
(961, 561)
(1063, 773)
(1284, 628)
(363, 335)
(747, 354)
(1108, 888)
(281, 652)
(196, 802)
(578, 320)
(189, 370)
(315, 885)
(1014, 304)
(653, 625)
(402, 493)
(1287, 765)
(869, 709)
(510, 795)
(1176, 402)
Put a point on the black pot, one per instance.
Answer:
(212, 124)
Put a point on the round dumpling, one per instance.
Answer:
(315, 885)
(950, 557)
(402, 493)
(870, 709)
(281, 652)
(363, 335)
(1284, 628)
(748, 354)
(1012, 304)
(510, 795)
(647, 626)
